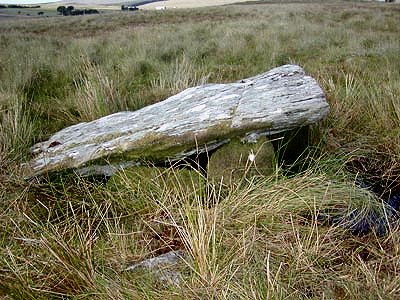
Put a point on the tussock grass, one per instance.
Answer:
(263, 238)
(95, 95)
(17, 129)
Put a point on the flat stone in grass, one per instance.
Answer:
(198, 119)
(165, 268)
(241, 159)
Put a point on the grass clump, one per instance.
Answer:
(266, 237)
(262, 238)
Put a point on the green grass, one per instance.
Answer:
(66, 237)
(31, 12)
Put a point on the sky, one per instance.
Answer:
(22, 2)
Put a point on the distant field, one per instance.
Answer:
(188, 3)
(148, 4)
(45, 11)
(7, 13)
(49, 9)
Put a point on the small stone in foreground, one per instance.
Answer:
(164, 267)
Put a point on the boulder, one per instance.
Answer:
(199, 119)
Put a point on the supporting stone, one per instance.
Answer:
(241, 159)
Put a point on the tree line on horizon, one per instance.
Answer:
(71, 11)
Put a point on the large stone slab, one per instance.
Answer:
(196, 120)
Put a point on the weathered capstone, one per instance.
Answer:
(199, 119)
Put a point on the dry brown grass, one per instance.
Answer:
(70, 238)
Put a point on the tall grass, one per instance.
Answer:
(139, 63)
(17, 129)
(95, 95)
(65, 237)
(262, 239)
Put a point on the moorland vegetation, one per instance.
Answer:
(69, 237)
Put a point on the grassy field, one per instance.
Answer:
(65, 237)
(7, 13)
(44, 11)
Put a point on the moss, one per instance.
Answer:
(157, 148)
(234, 161)
(149, 180)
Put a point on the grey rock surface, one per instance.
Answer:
(166, 259)
(165, 267)
(198, 119)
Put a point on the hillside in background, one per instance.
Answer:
(268, 237)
